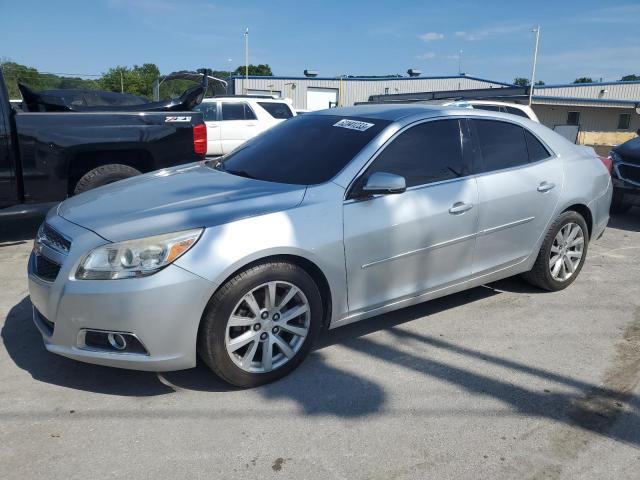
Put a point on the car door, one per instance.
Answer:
(238, 124)
(519, 188)
(400, 245)
(210, 112)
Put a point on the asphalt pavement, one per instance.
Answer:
(500, 382)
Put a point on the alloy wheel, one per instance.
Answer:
(267, 327)
(566, 252)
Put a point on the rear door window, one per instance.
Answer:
(429, 152)
(537, 151)
(502, 144)
(237, 111)
(277, 110)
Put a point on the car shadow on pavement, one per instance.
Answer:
(629, 221)
(320, 388)
(24, 345)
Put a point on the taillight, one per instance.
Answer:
(607, 161)
(200, 139)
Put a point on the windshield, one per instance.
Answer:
(304, 150)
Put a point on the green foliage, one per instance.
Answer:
(583, 80)
(137, 80)
(255, 70)
(630, 78)
(14, 73)
(521, 81)
(540, 82)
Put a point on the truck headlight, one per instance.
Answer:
(136, 258)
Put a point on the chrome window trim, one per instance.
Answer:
(388, 142)
(375, 155)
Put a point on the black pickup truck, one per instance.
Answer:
(56, 145)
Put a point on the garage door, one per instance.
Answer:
(321, 98)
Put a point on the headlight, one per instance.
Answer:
(136, 258)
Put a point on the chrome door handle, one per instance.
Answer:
(545, 187)
(460, 207)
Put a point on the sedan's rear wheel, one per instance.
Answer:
(562, 253)
(261, 324)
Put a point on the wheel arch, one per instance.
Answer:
(82, 162)
(585, 212)
(314, 271)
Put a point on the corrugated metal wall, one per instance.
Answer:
(613, 91)
(358, 90)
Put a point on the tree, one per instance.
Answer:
(15, 72)
(255, 70)
(137, 80)
(630, 78)
(521, 81)
(583, 80)
(540, 82)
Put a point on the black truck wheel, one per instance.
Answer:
(104, 175)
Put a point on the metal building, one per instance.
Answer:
(320, 93)
(605, 113)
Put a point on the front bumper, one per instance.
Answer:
(162, 310)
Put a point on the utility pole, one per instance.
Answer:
(121, 83)
(246, 60)
(536, 30)
(460, 62)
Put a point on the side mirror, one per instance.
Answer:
(384, 183)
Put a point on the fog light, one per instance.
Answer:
(114, 342)
(117, 341)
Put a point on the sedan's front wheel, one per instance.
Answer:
(261, 324)
(562, 254)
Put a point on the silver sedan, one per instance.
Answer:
(329, 218)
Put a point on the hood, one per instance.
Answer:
(174, 199)
(629, 151)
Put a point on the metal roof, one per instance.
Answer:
(371, 79)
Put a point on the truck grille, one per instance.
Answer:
(45, 268)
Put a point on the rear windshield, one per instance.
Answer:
(277, 110)
(304, 150)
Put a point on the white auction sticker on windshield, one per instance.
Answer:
(353, 125)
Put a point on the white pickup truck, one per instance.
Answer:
(233, 120)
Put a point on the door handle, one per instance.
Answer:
(546, 186)
(460, 207)
(251, 124)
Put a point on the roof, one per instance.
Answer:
(557, 85)
(391, 112)
(372, 79)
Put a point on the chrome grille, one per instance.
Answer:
(49, 237)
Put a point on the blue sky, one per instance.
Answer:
(579, 38)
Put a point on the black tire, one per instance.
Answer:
(211, 337)
(104, 175)
(618, 205)
(540, 275)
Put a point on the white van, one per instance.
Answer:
(231, 121)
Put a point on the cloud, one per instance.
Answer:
(492, 31)
(426, 56)
(431, 36)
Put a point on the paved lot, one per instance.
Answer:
(499, 382)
